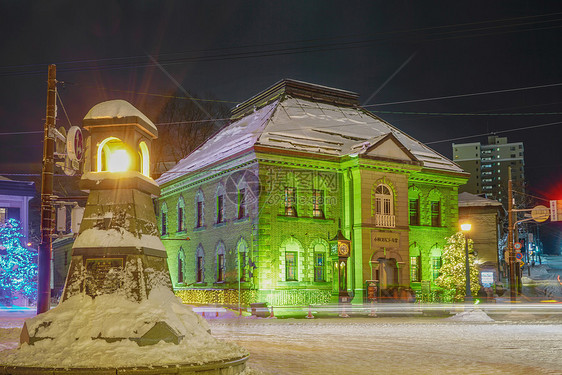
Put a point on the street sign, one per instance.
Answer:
(554, 210)
(519, 256)
(517, 246)
(540, 213)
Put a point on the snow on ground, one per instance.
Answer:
(78, 321)
(475, 315)
(395, 346)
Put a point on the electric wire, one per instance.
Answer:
(304, 49)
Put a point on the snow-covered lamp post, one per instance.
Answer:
(118, 293)
(465, 227)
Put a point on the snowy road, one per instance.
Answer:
(396, 346)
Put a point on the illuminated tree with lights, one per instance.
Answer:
(18, 265)
(452, 276)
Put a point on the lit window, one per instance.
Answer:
(415, 269)
(291, 266)
(435, 267)
(290, 200)
(319, 262)
(318, 204)
(383, 198)
(2, 215)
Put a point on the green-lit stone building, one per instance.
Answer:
(251, 213)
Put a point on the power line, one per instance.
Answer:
(495, 132)
(467, 114)
(470, 94)
(384, 36)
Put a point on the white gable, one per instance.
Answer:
(388, 149)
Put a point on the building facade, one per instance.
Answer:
(488, 166)
(484, 216)
(14, 202)
(252, 215)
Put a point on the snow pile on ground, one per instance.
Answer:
(77, 322)
(475, 315)
(8, 337)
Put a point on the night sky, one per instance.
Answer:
(393, 53)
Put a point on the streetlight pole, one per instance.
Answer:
(468, 295)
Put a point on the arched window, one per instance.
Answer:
(435, 259)
(384, 206)
(199, 264)
(243, 260)
(220, 201)
(435, 208)
(291, 257)
(414, 205)
(114, 156)
(415, 263)
(199, 209)
(181, 265)
(320, 256)
(144, 159)
(164, 219)
(221, 262)
(181, 214)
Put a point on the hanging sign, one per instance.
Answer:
(74, 144)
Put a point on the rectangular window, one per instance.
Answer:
(318, 204)
(436, 213)
(220, 209)
(241, 203)
(435, 267)
(291, 266)
(290, 199)
(164, 223)
(415, 269)
(180, 219)
(221, 268)
(199, 214)
(414, 211)
(319, 267)
(199, 269)
(2, 215)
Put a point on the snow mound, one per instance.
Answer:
(471, 316)
(77, 324)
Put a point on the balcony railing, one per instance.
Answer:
(387, 221)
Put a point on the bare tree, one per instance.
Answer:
(184, 124)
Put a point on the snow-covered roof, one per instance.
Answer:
(115, 109)
(298, 123)
(472, 200)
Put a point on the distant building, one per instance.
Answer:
(488, 166)
(254, 212)
(14, 202)
(484, 216)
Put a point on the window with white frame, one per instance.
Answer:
(181, 214)
(199, 209)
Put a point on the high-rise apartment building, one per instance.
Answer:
(488, 166)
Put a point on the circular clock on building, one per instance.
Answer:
(343, 249)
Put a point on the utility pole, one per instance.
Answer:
(45, 247)
(512, 286)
